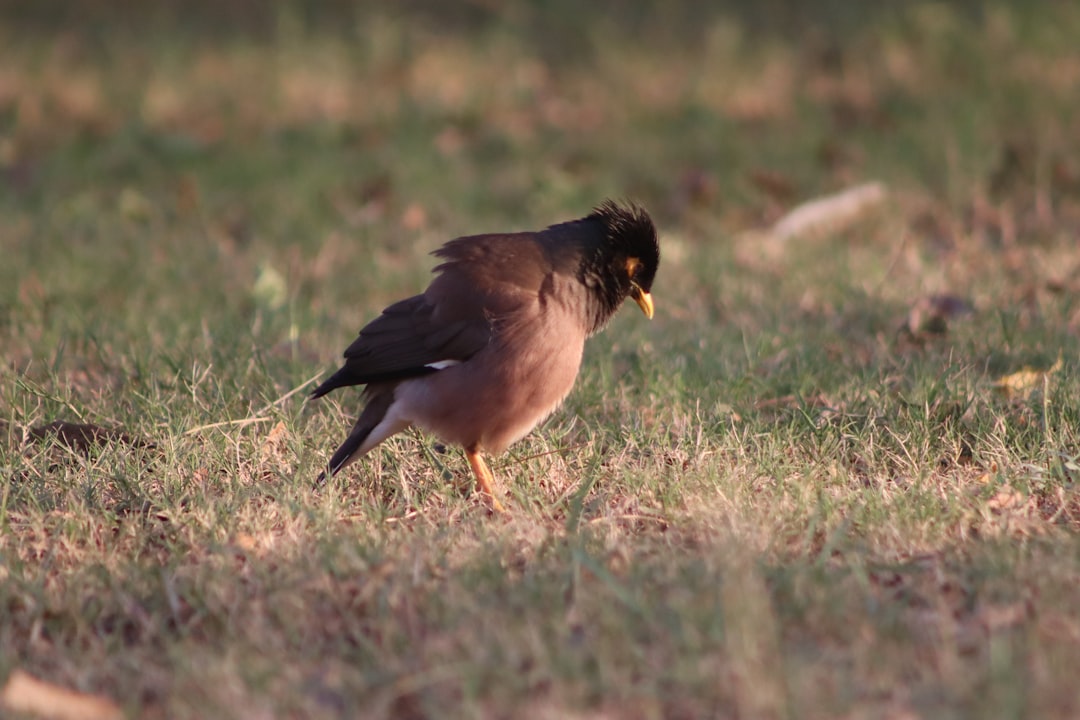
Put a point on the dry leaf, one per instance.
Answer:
(275, 444)
(931, 315)
(812, 219)
(831, 213)
(80, 437)
(1013, 513)
(1007, 499)
(26, 694)
(274, 451)
(1024, 381)
(276, 437)
(245, 541)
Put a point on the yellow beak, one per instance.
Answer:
(643, 299)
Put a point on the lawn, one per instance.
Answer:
(834, 477)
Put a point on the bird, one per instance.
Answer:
(493, 346)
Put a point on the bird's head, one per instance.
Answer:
(627, 257)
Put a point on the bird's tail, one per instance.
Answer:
(343, 455)
(371, 428)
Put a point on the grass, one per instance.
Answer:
(786, 496)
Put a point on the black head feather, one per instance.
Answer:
(623, 254)
(630, 234)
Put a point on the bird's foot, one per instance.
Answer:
(485, 481)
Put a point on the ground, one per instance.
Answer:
(834, 477)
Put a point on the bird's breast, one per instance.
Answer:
(500, 394)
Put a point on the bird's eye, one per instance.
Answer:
(633, 266)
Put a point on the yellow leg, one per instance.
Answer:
(485, 480)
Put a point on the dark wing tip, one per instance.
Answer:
(338, 379)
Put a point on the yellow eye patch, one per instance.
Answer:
(632, 265)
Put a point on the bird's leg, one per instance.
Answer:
(485, 480)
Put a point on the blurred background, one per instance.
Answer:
(287, 154)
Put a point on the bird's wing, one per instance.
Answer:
(483, 281)
(410, 338)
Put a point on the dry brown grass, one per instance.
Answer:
(805, 490)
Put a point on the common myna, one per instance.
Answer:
(493, 346)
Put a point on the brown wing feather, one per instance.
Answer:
(404, 342)
(483, 278)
